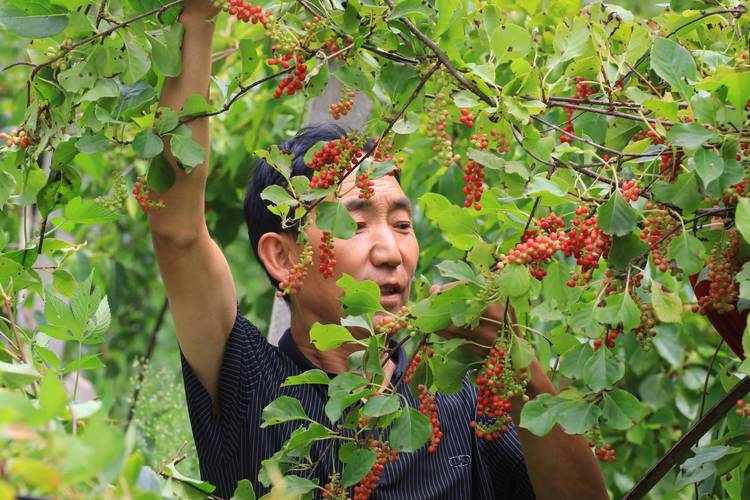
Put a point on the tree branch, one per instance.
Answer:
(677, 453)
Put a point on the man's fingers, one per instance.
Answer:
(440, 288)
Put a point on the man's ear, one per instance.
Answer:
(277, 252)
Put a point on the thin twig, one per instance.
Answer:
(146, 358)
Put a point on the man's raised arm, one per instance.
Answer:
(196, 274)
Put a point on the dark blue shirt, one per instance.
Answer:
(232, 445)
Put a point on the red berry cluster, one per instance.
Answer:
(743, 409)
(732, 193)
(393, 324)
(583, 91)
(245, 11)
(290, 84)
(644, 332)
(612, 284)
(630, 190)
(424, 352)
(656, 227)
(473, 175)
(428, 408)
(744, 150)
(368, 484)
(466, 118)
(142, 195)
(608, 340)
(333, 162)
(497, 385)
(670, 165)
(606, 452)
(325, 257)
(584, 240)
(722, 293)
(342, 108)
(503, 144)
(330, 490)
(365, 186)
(17, 138)
(293, 282)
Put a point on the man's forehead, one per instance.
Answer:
(387, 191)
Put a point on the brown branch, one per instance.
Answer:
(443, 59)
(618, 114)
(677, 453)
(708, 375)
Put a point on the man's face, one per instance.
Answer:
(384, 250)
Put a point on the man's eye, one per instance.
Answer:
(360, 225)
(404, 225)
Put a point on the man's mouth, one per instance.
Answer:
(390, 294)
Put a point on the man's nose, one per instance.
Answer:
(385, 250)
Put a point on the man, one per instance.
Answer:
(231, 371)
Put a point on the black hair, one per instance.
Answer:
(258, 218)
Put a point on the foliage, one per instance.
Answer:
(624, 137)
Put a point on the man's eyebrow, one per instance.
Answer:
(358, 204)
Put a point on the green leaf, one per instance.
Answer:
(688, 252)
(690, 136)
(204, 486)
(79, 211)
(187, 151)
(619, 308)
(410, 430)
(621, 409)
(667, 305)
(407, 124)
(16, 376)
(674, 64)
(357, 464)
(330, 336)
(742, 217)
(282, 409)
(360, 297)
(602, 370)
(147, 144)
(166, 49)
(160, 176)
(459, 270)
(539, 415)
(683, 192)
(617, 216)
(244, 491)
(624, 249)
(314, 376)
(577, 416)
(334, 218)
(137, 60)
(194, 105)
(249, 57)
(33, 19)
(514, 280)
(521, 353)
(92, 144)
(380, 405)
(510, 41)
(278, 196)
(708, 165)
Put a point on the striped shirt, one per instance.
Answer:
(232, 445)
